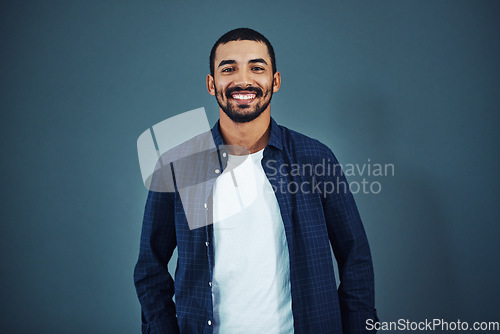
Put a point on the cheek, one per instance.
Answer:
(270, 87)
(220, 92)
(269, 84)
(220, 88)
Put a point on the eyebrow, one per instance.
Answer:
(251, 61)
(226, 62)
(258, 60)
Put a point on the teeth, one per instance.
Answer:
(243, 96)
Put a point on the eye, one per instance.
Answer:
(257, 68)
(227, 70)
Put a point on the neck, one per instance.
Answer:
(253, 136)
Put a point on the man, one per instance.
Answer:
(257, 259)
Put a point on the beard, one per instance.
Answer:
(243, 113)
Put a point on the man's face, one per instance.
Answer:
(243, 81)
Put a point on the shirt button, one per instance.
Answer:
(217, 171)
(205, 205)
(206, 243)
(209, 322)
(224, 154)
(209, 283)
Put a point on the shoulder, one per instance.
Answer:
(303, 147)
(193, 146)
(185, 161)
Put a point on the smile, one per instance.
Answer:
(243, 97)
(246, 97)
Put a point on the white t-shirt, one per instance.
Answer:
(251, 277)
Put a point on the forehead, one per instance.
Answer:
(241, 51)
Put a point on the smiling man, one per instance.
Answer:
(240, 101)
(260, 259)
(246, 80)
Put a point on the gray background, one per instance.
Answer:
(412, 83)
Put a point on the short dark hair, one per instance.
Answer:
(242, 34)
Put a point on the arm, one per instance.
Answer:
(154, 285)
(351, 249)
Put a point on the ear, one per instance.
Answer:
(276, 82)
(210, 85)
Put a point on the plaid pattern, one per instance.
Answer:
(313, 218)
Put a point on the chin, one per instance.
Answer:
(242, 117)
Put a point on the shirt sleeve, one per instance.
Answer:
(153, 283)
(351, 249)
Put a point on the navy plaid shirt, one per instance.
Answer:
(317, 209)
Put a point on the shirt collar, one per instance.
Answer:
(274, 140)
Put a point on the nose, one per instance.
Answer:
(243, 78)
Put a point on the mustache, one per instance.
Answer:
(258, 92)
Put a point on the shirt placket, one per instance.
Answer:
(217, 163)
